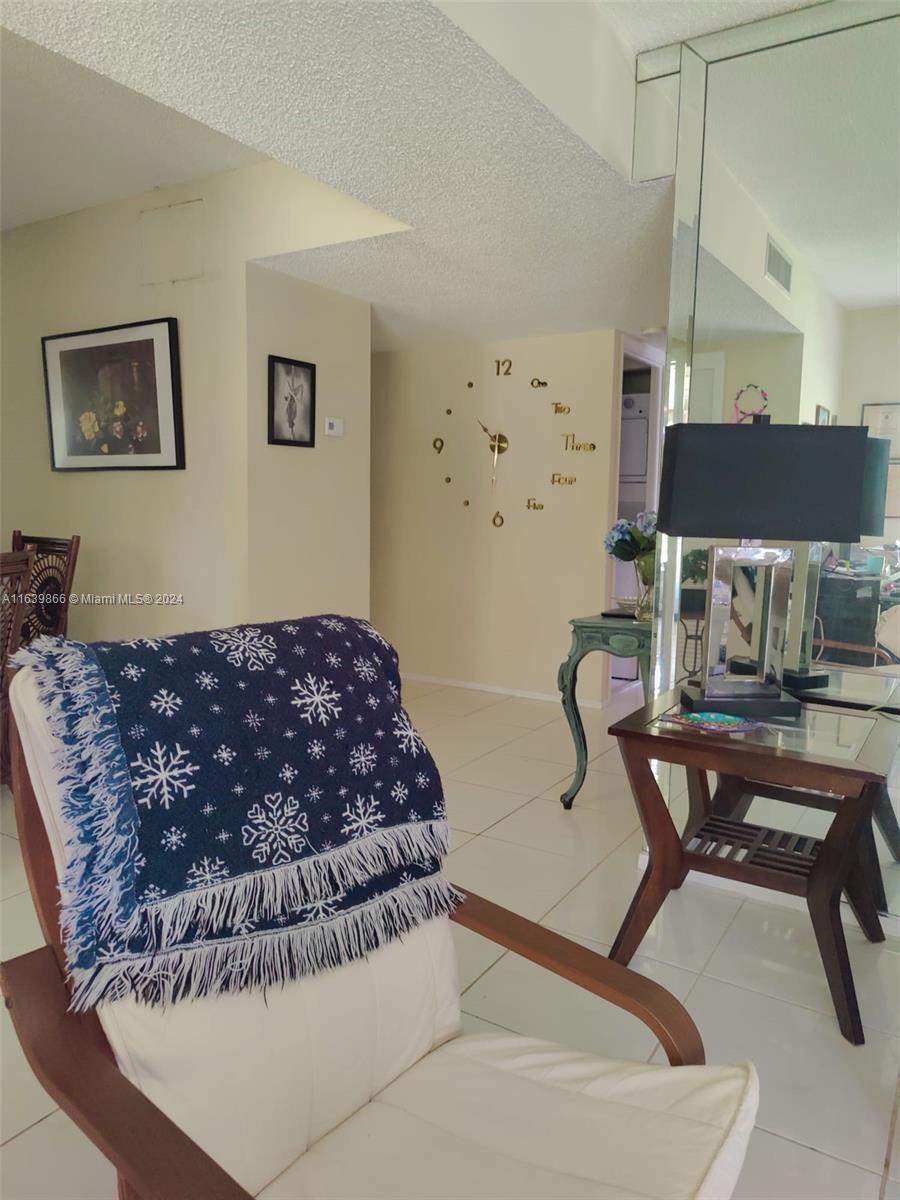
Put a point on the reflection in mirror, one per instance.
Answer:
(793, 245)
(798, 285)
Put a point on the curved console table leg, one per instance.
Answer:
(568, 679)
(645, 668)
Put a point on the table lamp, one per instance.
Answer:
(760, 482)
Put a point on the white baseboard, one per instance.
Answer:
(438, 681)
(749, 891)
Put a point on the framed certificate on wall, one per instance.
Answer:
(883, 421)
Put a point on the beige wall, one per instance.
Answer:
(734, 228)
(463, 600)
(871, 372)
(149, 531)
(774, 363)
(308, 508)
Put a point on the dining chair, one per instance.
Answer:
(51, 582)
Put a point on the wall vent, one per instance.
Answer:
(778, 266)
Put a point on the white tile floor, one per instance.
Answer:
(748, 972)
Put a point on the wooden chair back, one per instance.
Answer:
(15, 585)
(51, 582)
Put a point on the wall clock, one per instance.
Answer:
(474, 436)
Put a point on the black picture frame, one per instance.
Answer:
(71, 449)
(281, 390)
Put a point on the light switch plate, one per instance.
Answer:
(334, 426)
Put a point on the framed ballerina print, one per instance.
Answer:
(292, 402)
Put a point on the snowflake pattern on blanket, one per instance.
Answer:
(248, 805)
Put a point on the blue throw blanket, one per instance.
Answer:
(246, 806)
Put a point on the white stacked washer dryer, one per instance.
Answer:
(636, 470)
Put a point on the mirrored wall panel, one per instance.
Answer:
(786, 300)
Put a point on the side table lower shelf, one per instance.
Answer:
(787, 858)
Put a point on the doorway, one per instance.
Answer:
(638, 482)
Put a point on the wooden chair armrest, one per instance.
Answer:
(658, 1009)
(68, 1054)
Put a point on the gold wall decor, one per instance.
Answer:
(537, 383)
(503, 366)
(421, 522)
(438, 444)
(571, 443)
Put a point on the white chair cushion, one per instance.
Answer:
(508, 1118)
(254, 1078)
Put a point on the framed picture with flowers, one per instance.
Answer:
(114, 398)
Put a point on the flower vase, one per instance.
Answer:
(645, 572)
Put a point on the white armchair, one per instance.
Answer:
(357, 1083)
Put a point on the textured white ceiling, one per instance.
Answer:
(810, 130)
(72, 139)
(728, 308)
(647, 24)
(518, 227)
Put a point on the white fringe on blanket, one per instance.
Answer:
(100, 842)
(311, 880)
(268, 958)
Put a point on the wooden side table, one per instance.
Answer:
(842, 754)
(623, 637)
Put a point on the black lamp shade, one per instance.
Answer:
(878, 451)
(800, 483)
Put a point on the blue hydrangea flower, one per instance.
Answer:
(620, 530)
(646, 523)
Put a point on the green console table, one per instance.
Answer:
(622, 637)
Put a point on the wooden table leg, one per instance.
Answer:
(837, 864)
(886, 820)
(665, 870)
(871, 867)
(858, 887)
(567, 681)
(699, 803)
(732, 799)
